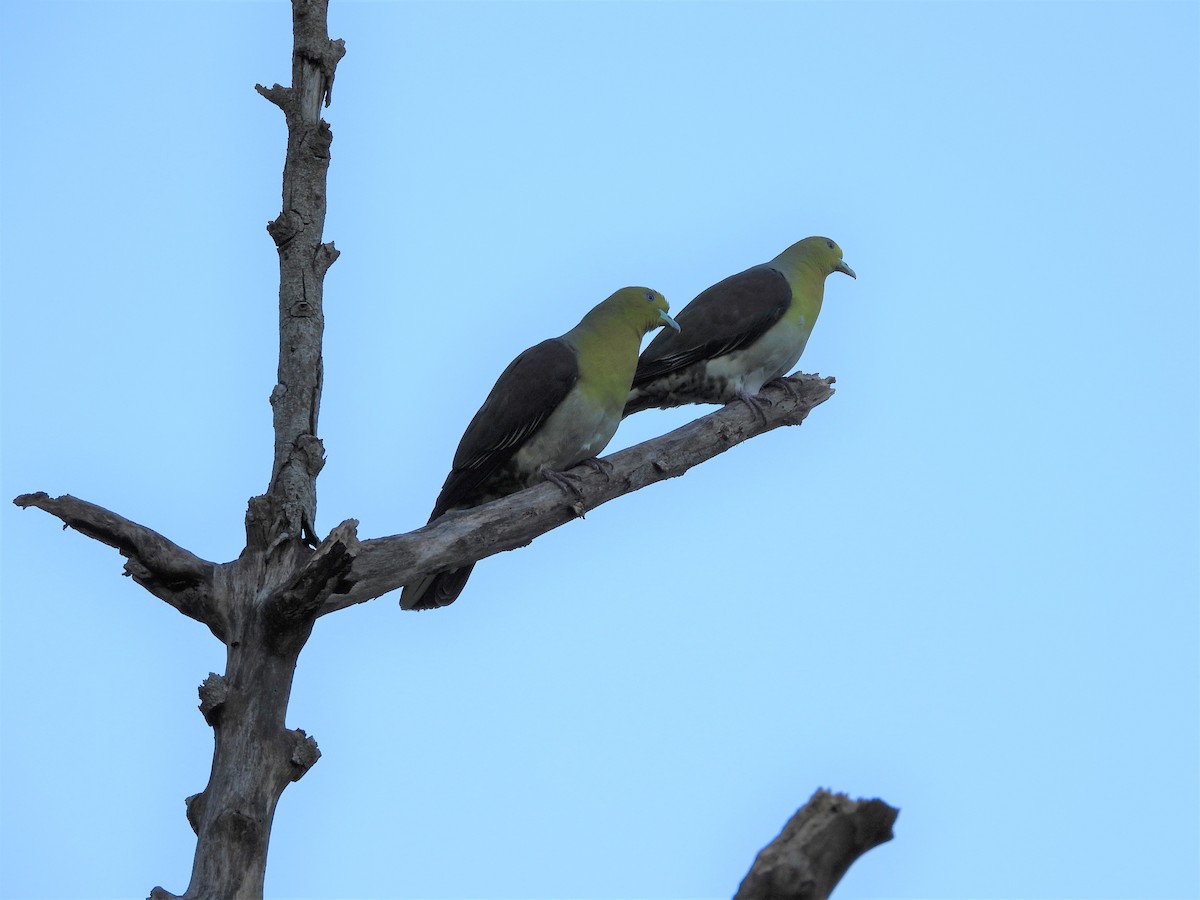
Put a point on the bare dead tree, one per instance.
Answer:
(263, 604)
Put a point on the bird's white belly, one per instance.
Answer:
(572, 433)
(771, 357)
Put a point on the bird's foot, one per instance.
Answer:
(756, 404)
(567, 482)
(785, 382)
(603, 466)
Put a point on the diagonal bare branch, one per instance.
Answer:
(385, 564)
(159, 565)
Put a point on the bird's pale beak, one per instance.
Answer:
(842, 267)
(667, 320)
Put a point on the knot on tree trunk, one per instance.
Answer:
(317, 141)
(284, 227)
(327, 255)
(304, 755)
(213, 692)
(239, 827)
(310, 450)
(194, 806)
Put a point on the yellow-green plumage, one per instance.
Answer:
(741, 333)
(556, 405)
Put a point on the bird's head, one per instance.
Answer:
(820, 253)
(645, 308)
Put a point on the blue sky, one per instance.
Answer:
(967, 585)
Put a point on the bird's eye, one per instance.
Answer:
(830, 244)
(650, 296)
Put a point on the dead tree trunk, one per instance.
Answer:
(267, 599)
(263, 604)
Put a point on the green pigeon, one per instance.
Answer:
(556, 405)
(739, 334)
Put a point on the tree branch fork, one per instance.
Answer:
(343, 571)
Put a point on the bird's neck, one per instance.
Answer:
(807, 279)
(608, 351)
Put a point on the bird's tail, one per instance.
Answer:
(654, 394)
(638, 400)
(433, 591)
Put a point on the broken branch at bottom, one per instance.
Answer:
(816, 847)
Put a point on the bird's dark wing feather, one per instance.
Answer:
(728, 316)
(437, 590)
(526, 393)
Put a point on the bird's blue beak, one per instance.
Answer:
(842, 267)
(667, 320)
